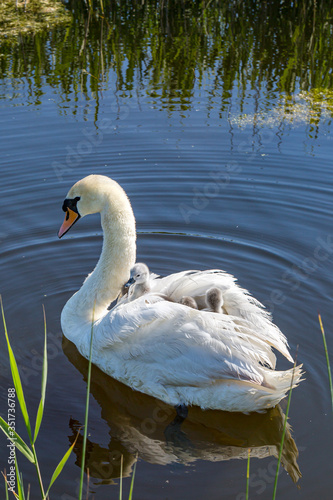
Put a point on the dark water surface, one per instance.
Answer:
(217, 123)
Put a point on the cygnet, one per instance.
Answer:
(214, 300)
(189, 302)
(139, 282)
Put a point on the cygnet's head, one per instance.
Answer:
(189, 302)
(214, 299)
(139, 274)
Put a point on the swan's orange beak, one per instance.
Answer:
(70, 218)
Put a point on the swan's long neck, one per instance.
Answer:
(113, 268)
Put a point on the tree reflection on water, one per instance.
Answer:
(165, 50)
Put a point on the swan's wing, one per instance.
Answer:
(153, 276)
(170, 341)
(236, 301)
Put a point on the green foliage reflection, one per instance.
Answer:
(167, 48)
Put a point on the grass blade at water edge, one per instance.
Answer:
(16, 377)
(8, 488)
(39, 475)
(121, 478)
(132, 481)
(60, 466)
(248, 475)
(6, 485)
(327, 357)
(19, 481)
(44, 380)
(284, 428)
(17, 440)
(102, 6)
(84, 444)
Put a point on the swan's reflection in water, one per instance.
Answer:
(142, 425)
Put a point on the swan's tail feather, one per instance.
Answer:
(239, 302)
(246, 396)
(282, 381)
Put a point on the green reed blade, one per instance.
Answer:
(284, 428)
(8, 489)
(16, 377)
(327, 357)
(102, 6)
(132, 481)
(6, 485)
(44, 380)
(121, 478)
(19, 481)
(17, 440)
(84, 444)
(248, 475)
(39, 475)
(60, 466)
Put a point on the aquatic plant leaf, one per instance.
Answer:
(16, 377)
(19, 481)
(7, 488)
(132, 481)
(284, 429)
(248, 474)
(327, 358)
(59, 467)
(84, 444)
(44, 380)
(7, 498)
(121, 478)
(17, 440)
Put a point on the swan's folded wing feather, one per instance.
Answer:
(237, 302)
(172, 341)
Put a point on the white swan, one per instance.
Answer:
(180, 355)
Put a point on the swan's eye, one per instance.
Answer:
(137, 276)
(71, 204)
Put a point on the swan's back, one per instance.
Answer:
(237, 302)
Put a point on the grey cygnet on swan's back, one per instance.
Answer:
(139, 281)
(189, 302)
(214, 300)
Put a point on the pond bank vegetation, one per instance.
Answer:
(29, 16)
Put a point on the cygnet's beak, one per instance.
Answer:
(70, 218)
(129, 283)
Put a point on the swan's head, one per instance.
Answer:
(214, 299)
(89, 196)
(139, 274)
